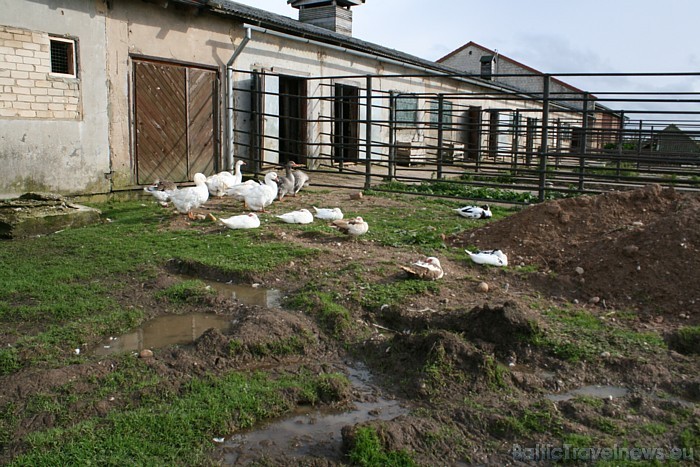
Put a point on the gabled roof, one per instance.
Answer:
(508, 59)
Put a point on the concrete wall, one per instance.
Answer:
(53, 130)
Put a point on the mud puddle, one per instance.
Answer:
(164, 331)
(168, 330)
(310, 432)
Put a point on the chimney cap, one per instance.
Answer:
(312, 3)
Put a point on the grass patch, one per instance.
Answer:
(577, 335)
(369, 452)
(187, 291)
(376, 295)
(325, 306)
(686, 340)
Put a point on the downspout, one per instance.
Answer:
(229, 96)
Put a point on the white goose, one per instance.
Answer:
(353, 227)
(218, 184)
(491, 257)
(239, 191)
(329, 214)
(191, 197)
(302, 216)
(475, 212)
(243, 221)
(261, 196)
(428, 269)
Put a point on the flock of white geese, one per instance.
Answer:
(257, 196)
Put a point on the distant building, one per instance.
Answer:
(491, 65)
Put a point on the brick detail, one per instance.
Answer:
(29, 89)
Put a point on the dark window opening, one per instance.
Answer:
(62, 56)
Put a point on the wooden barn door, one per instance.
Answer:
(176, 121)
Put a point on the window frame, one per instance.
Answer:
(406, 116)
(72, 62)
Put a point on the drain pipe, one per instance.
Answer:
(229, 95)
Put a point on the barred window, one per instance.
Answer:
(406, 109)
(63, 56)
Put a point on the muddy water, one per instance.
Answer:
(163, 331)
(310, 432)
(185, 329)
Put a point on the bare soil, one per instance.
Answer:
(464, 360)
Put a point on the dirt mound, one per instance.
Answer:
(636, 249)
(499, 329)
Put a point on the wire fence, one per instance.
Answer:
(543, 137)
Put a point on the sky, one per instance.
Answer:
(551, 36)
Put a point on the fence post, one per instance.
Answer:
(368, 135)
(584, 142)
(620, 141)
(516, 142)
(391, 170)
(439, 136)
(545, 137)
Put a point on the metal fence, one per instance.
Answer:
(545, 137)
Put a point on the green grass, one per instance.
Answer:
(325, 305)
(176, 429)
(187, 291)
(577, 335)
(369, 452)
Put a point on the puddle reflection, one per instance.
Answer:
(164, 331)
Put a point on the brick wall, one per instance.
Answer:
(29, 89)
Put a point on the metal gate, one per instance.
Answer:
(176, 121)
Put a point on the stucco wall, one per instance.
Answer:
(53, 130)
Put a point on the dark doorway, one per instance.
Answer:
(292, 132)
(472, 137)
(345, 125)
(176, 121)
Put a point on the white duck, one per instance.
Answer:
(243, 221)
(428, 269)
(330, 214)
(302, 216)
(191, 197)
(261, 196)
(475, 212)
(218, 184)
(301, 179)
(491, 257)
(286, 185)
(353, 227)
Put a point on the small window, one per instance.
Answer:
(62, 56)
(406, 110)
(487, 62)
(446, 119)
